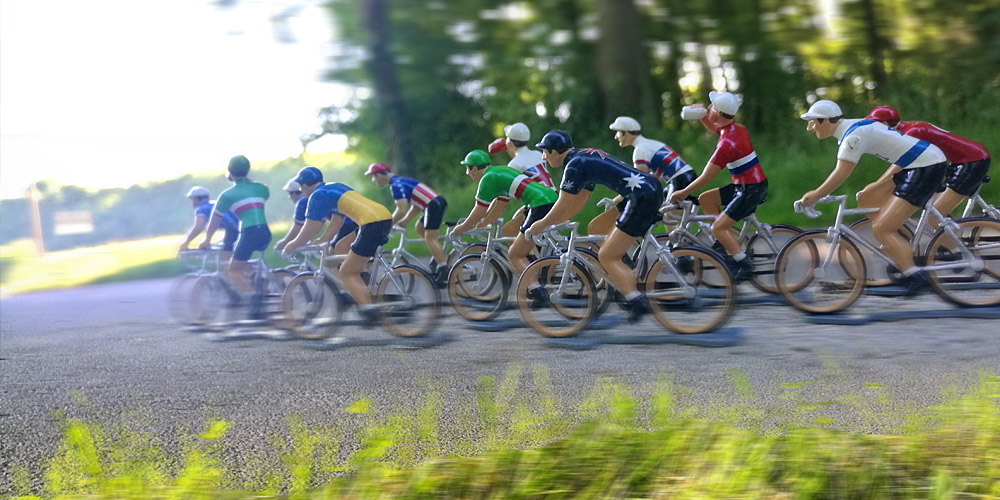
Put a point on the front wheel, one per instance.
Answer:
(819, 278)
(683, 302)
(567, 312)
(763, 252)
(408, 302)
(311, 308)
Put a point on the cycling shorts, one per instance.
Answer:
(229, 240)
(641, 212)
(370, 237)
(434, 213)
(917, 185)
(966, 178)
(741, 200)
(534, 215)
(252, 239)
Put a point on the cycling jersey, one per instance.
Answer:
(735, 152)
(505, 182)
(246, 200)
(229, 220)
(858, 137)
(300, 210)
(660, 160)
(412, 190)
(956, 149)
(336, 198)
(530, 162)
(587, 167)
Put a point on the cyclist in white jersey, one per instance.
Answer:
(917, 169)
(524, 160)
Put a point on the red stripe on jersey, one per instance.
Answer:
(519, 190)
(248, 206)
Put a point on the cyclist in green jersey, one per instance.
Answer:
(501, 184)
(245, 199)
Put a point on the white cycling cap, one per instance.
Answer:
(197, 192)
(822, 109)
(626, 124)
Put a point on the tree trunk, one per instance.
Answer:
(619, 59)
(877, 64)
(392, 107)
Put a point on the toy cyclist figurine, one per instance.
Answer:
(526, 161)
(202, 213)
(497, 185)
(412, 197)
(917, 170)
(344, 237)
(749, 188)
(584, 169)
(650, 156)
(969, 161)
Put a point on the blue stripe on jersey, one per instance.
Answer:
(746, 166)
(852, 128)
(908, 157)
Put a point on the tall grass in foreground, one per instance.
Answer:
(505, 445)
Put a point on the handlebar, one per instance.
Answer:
(551, 229)
(606, 203)
(810, 211)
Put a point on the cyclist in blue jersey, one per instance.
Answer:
(202, 213)
(413, 197)
(584, 169)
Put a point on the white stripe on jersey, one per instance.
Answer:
(742, 161)
(515, 183)
(244, 202)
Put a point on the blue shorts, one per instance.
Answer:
(252, 239)
(370, 237)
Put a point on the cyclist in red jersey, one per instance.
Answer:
(749, 188)
(969, 161)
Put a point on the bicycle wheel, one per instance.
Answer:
(284, 276)
(566, 314)
(179, 300)
(478, 291)
(763, 252)
(408, 302)
(968, 286)
(809, 285)
(684, 303)
(269, 290)
(879, 273)
(311, 311)
(472, 249)
(213, 301)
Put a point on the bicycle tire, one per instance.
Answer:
(179, 301)
(309, 312)
(817, 293)
(967, 287)
(696, 306)
(550, 320)
(759, 252)
(487, 297)
(410, 293)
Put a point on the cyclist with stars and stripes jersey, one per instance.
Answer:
(584, 169)
(413, 197)
(735, 153)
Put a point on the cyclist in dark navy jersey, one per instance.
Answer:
(584, 169)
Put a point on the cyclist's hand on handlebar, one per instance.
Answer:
(677, 197)
(809, 199)
(205, 245)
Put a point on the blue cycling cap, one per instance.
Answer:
(309, 176)
(555, 140)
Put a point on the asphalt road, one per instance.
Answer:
(116, 346)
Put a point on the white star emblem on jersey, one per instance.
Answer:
(567, 186)
(633, 181)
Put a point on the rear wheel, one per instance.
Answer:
(478, 291)
(763, 252)
(179, 300)
(968, 286)
(809, 285)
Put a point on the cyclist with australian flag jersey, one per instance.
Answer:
(497, 185)
(413, 197)
(584, 169)
(523, 159)
(735, 153)
(246, 199)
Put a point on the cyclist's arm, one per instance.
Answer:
(711, 170)
(411, 214)
(402, 206)
(836, 178)
(199, 225)
(309, 230)
(494, 212)
(336, 222)
(476, 215)
(566, 206)
(292, 233)
(213, 225)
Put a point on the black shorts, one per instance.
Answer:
(917, 185)
(742, 200)
(370, 237)
(641, 212)
(682, 181)
(252, 239)
(966, 178)
(434, 213)
(534, 215)
(229, 240)
(348, 227)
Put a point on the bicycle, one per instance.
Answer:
(179, 303)
(824, 271)
(407, 302)
(219, 300)
(680, 297)
(760, 241)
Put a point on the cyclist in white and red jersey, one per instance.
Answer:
(968, 161)
(918, 168)
(749, 188)
(650, 156)
(413, 197)
(524, 160)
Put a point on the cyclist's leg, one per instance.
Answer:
(511, 228)
(251, 239)
(345, 237)
(961, 182)
(518, 252)
(370, 237)
(605, 222)
(433, 215)
(610, 257)
(914, 187)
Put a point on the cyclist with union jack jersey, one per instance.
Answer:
(748, 190)
(968, 161)
(524, 160)
(412, 197)
(584, 169)
(917, 170)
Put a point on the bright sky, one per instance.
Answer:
(108, 93)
